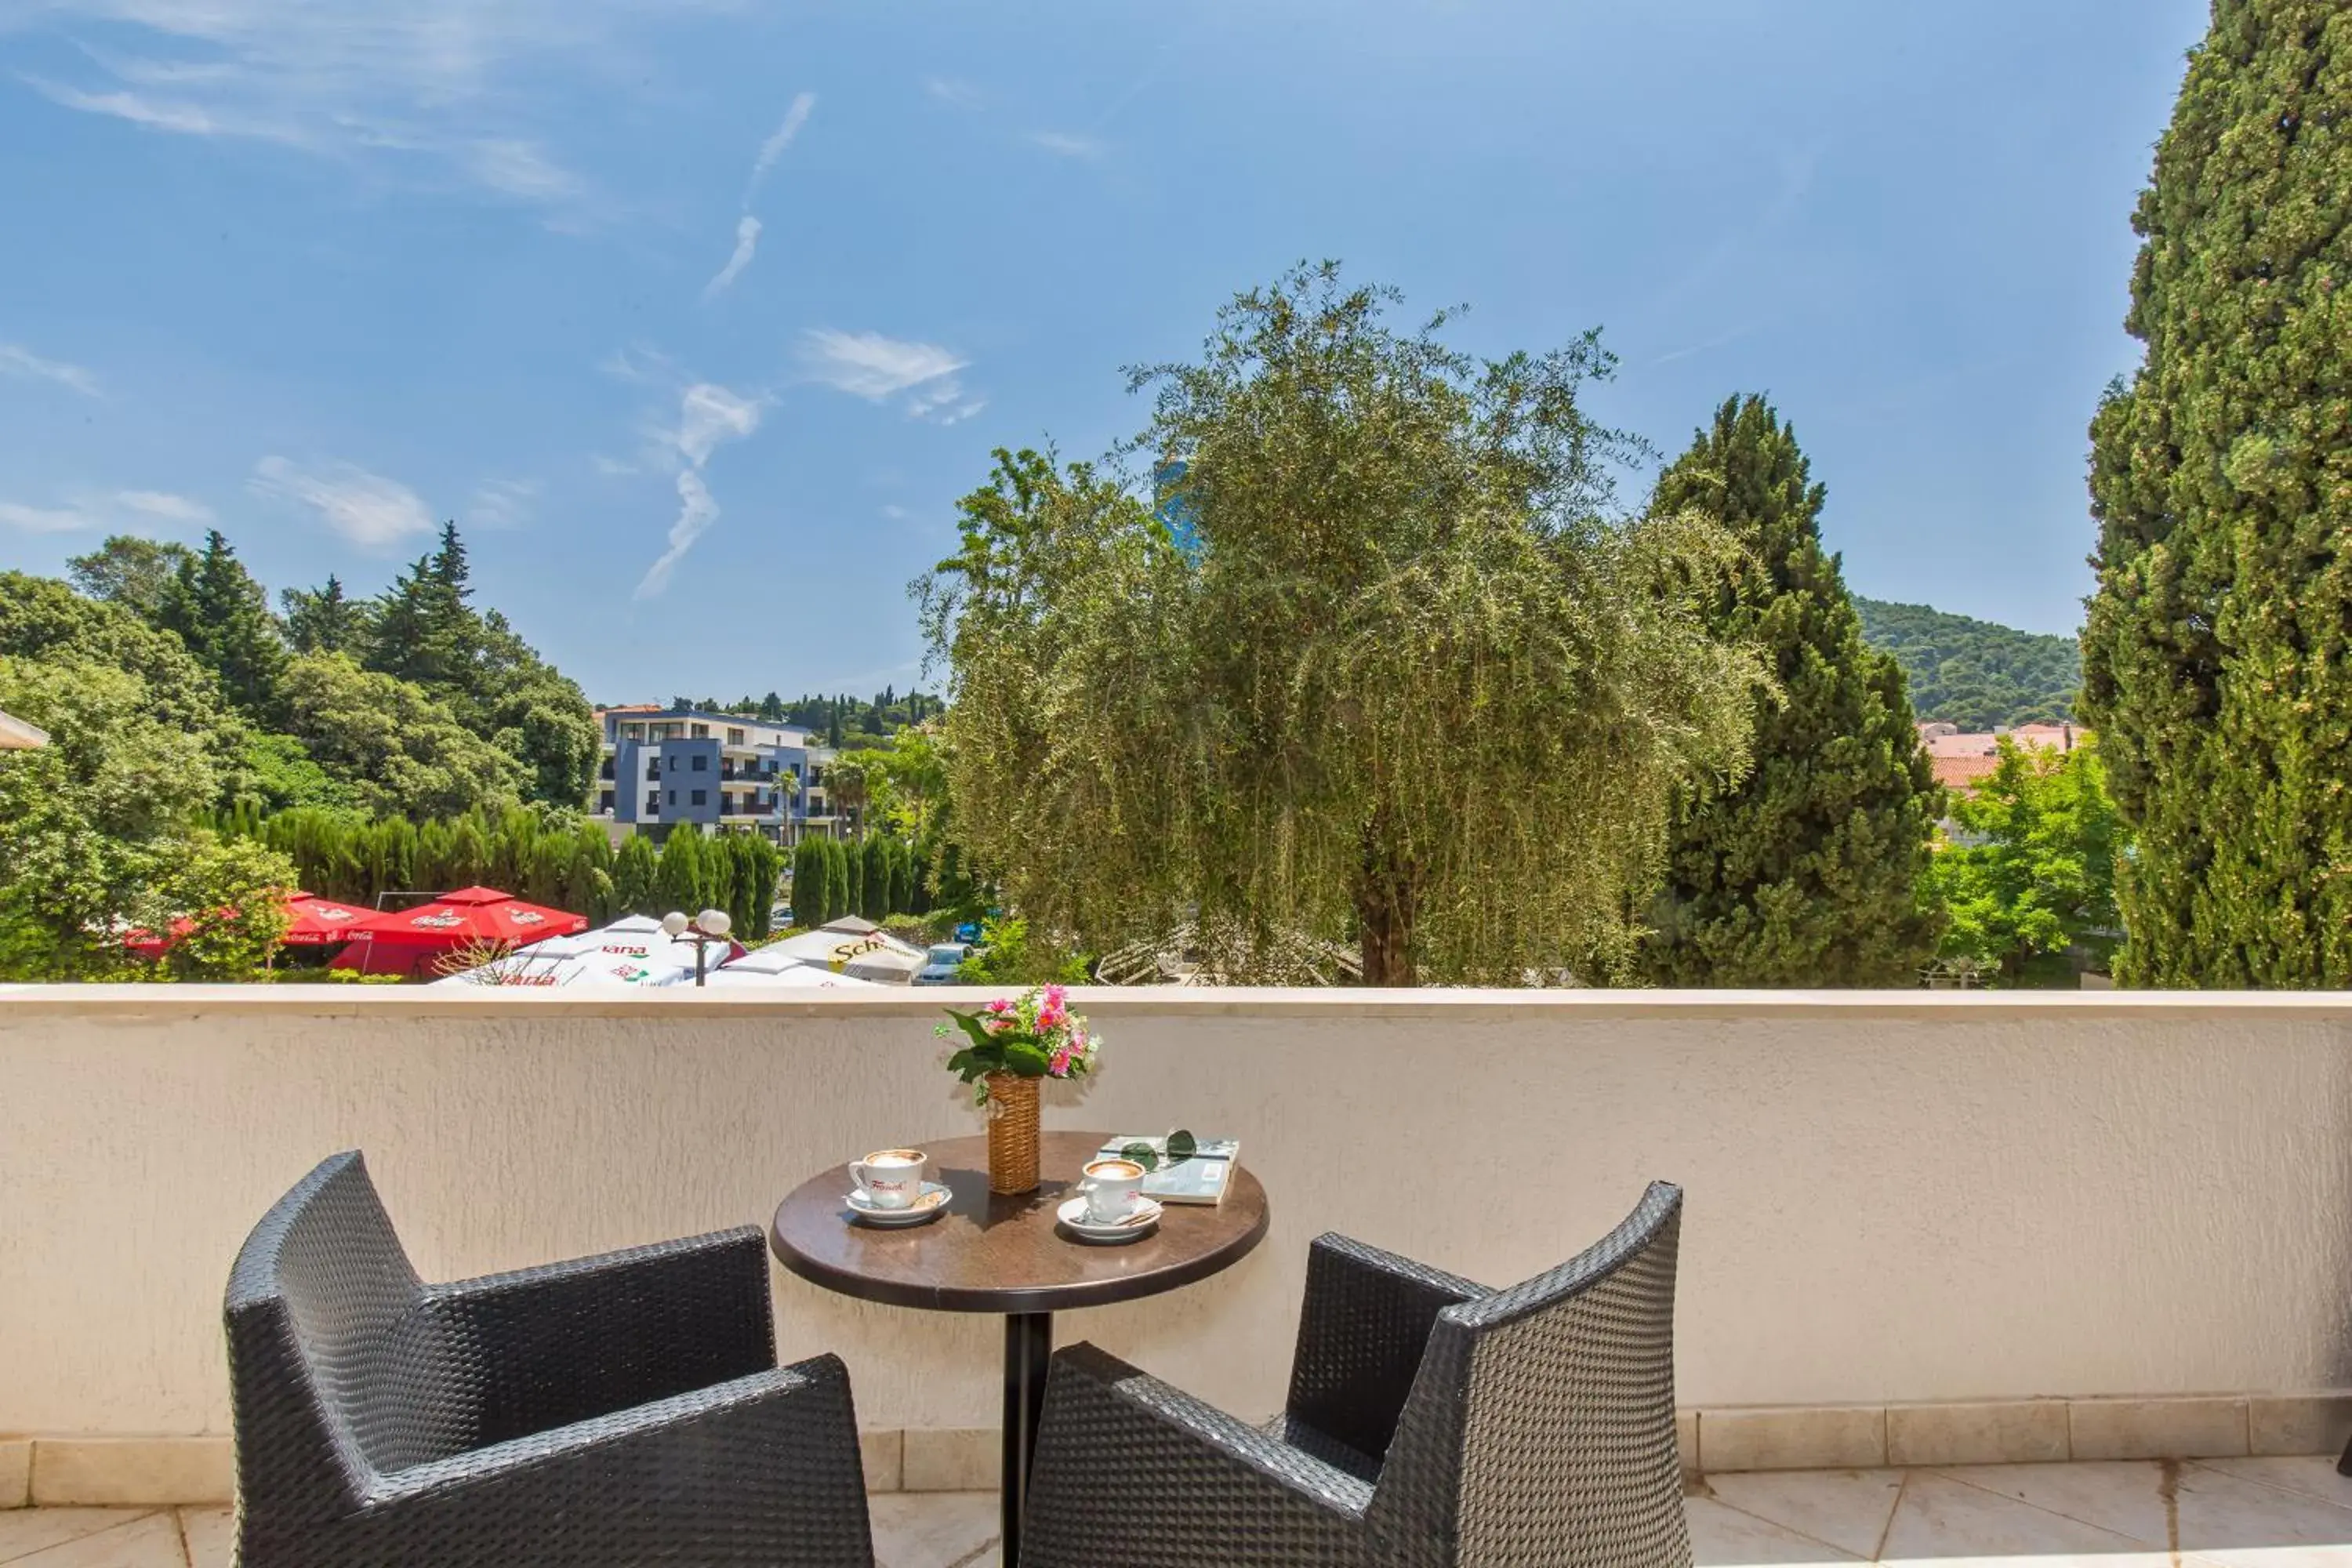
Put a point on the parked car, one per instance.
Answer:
(781, 916)
(940, 964)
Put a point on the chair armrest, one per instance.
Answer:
(1132, 1471)
(763, 1469)
(1361, 1330)
(582, 1339)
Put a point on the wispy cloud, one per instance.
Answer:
(747, 241)
(803, 104)
(107, 511)
(24, 364)
(163, 506)
(503, 503)
(872, 366)
(955, 94)
(708, 416)
(1069, 144)
(878, 368)
(444, 83)
(371, 510)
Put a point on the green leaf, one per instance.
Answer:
(1027, 1060)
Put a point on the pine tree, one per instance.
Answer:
(2217, 657)
(833, 724)
(323, 620)
(223, 615)
(427, 630)
(1805, 872)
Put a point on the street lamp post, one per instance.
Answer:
(709, 926)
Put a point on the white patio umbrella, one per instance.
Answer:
(613, 957)
(790, 977)
(638, 937)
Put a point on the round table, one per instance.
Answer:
(992, 1253)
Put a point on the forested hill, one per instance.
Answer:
(1973, 673)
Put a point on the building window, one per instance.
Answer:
(701, 764)
(700, 731)
(673, 797)
(700, 796)
(605, 803)
(653, 803)
(734, 737)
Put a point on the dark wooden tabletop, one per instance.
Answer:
(990, 1254)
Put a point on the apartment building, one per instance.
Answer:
(665, 766)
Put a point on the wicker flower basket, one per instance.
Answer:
(1011, 1133)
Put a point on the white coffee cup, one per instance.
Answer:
(1112, 1188)
(890, 1178)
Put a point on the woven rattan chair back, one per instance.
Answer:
(337, 1365)
(1540, 1428)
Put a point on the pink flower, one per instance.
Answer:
(998, 1026)
(1061, 1064)
(999, 1005)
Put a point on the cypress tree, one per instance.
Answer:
(2217, 657)
(1805, 872)
(841, 880)
(874, 877)
(637, 874)
(680, 881)
(902, 878)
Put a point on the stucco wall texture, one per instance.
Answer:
(1892, 1197)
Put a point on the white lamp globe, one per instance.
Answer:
(715, 922)
(674, 923)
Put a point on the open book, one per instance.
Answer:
(1201, 1179)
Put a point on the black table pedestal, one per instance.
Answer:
(1028, 1347)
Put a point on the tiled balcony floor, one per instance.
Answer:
(2213, 1513)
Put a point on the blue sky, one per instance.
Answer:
(698, 316)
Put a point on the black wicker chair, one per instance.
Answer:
(1431, 1422)
(619, 1409)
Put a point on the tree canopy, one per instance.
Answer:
(102, 832)
(399, 750)
(1405, 685)
(2033, 870)
(1806, 871)
(2217, 653)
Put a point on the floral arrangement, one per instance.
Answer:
(1034, 1035)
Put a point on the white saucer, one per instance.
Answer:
(1072, 1215)
(929, 1205)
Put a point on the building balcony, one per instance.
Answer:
(1924, 1232)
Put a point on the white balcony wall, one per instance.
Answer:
(1892, 1197)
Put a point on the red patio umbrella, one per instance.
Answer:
(407, 941)
(315, 922)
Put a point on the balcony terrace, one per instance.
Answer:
(1962, 1274)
